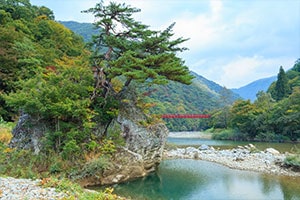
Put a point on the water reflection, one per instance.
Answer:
(194, 179)
(290, 187)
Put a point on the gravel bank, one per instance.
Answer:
(243, 158)
(14, 189)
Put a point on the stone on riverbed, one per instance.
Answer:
(204, 147)
(272, 151)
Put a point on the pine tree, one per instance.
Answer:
(129, 49)
(282, 88)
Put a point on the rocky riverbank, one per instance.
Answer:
(243, 157)
(13, 189)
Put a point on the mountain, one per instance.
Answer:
(249, 91)
(86, 30)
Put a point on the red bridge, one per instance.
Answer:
(185, 116)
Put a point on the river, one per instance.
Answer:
(195, 179)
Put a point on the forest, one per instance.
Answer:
(274, 116)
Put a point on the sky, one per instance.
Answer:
(231, 42)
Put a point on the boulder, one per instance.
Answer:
(27, 133)
(203, 147)
(272, 151)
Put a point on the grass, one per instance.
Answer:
(74, 191)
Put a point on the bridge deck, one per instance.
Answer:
(185, 116)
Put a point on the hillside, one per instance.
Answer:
(200, 97)
(249, 91)
(86, 30)
(30, 39)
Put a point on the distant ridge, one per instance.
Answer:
(249, 91)
(86, 30)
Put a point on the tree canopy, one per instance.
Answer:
(128, 48)
(30, 40)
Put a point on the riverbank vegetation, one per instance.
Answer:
(273, 116)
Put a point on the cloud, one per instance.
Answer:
(216, 7)
(239, 71)
(234, 47)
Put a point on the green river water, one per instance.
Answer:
(195, 179)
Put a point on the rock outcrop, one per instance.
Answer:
(144, 145)
(28, 133)
(141, 154)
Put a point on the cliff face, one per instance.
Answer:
(143, 148)
(140, 155)
(28, 134)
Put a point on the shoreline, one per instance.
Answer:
(247, 158)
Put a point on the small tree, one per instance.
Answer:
(243, 114)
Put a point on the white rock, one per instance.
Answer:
(272, 151)
(204, 147)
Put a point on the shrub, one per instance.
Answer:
(108, 147)
(71, 150)
(93, 167)
(96, 165)
(293, 161)
(55, 168)
(5, 135)
(270, 137)
(5, 131)
(229, 134)
(226, 134)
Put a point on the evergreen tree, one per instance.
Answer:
(127, 48)
(296, 67)
(282, 88)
